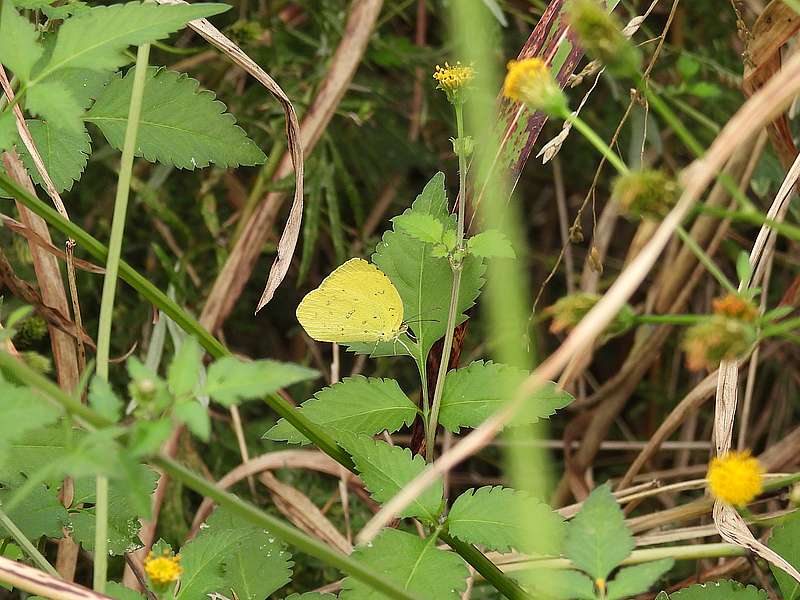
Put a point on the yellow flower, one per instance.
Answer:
(530, 81)
(736, 307)
(453, 79)
(163, 570)
(735, 478)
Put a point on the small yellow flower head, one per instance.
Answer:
(646, 193)
(715, 339)
(736, 307)
(530, 81)
(453, 80)
(568, 311)
(601, 36)
(735, 478)
(164, 570)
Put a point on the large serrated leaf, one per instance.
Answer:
(41, 514)
(635, 580)
(180, 124)
(785, 540)
(473, 393)
(386, 469)
(355, 405)
(424, 281)
(719, 590)
(495, 517)
(597, 539)
(22, 411)
(414, 564)
(63, 152)
(231, 554)
(231, 380)
(19, 49)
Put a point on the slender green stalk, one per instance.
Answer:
(109, 291)
(781, 328)
(756, 218)
(596, 141)
(457, 267)
(705, 259)
(289, 534)
(26, 545)
(670, 319)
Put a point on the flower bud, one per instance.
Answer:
(647, 193)
(601, 36)
(716, 339)
(568, 311)
(530, 81)
(735, 306)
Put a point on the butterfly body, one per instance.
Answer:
(357, 302)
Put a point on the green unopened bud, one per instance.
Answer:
(649, 193)
(716, 339)
(601, 36)
(463, 146)
(568, 311)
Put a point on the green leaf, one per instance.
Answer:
(63, 152)
(195, 416)
(492, 517)
(635, 580)
(53, 101)
(83, 84)
(473, 393)
(41, 514)
(19, 49)
(231, 380)
(184, 370)
(386, 469)
(597, 538)
(22, 410)
(423, 227)
(356, 405)
(180, 124)
(8, 130)
(29, 452)
(97, 38)
(414, 564)
(123, 509)
(719, 590)
(784, 540)
(120, 592)
(423, 281)
(103, 399)
(743, 267)
(311, 596)
(490, 244)
(231, 554)
(558, 585)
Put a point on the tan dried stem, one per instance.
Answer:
(760, 109)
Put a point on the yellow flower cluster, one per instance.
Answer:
(735, 478)
(736, 307)
(163, 570)
(453, 78)
(530, 81)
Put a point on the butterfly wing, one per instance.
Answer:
(355, 303)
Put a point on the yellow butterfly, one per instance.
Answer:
(355, 303)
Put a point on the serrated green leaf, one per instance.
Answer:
(423, 227)
(635, 580)
(231, 554)
(33, 451)
(97, 38)
(414, 564)
(120, 592)
(22, 410)
(8, 130)
(52, 101)
(41, 514)
(63, 152)
(784, 540)
(597, 539)
(356, 405)
(231, 380)
(424, 281)
(19, 49)
(743, 267)
(552, 584)
(180, 124)
(491, 244)
(719, 590)
(83, 84)
(386, 469)
(311, 596)
(494, 517)
(195, 416)
(184, 370)
(473, 393)
(103, 399)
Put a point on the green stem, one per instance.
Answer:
(705, 259)
(596, 141)
(781, 328)
(109, 291)
(456, 265)
(670, 319)
(787, 229)
(289, 534)
(26, 545)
